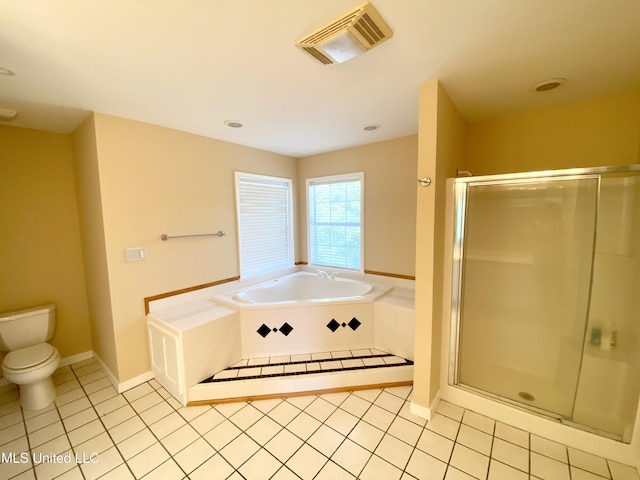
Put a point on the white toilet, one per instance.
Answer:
(30, 361)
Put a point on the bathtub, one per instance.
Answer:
(302, 287)
(304, 312)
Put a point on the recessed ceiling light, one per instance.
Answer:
(546, 85)
(7, 71)
(371, 127)
(233, 123)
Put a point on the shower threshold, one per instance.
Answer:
(529, 408)
(303, 374)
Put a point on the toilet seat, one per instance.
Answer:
(29, 357)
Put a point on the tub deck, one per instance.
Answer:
(195, 336)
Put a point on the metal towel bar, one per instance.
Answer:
(219, 233)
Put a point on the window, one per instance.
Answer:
(265, 225)
(335, 220)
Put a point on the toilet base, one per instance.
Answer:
(38, 395)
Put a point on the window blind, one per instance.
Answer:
(335, 220)
(264, 223)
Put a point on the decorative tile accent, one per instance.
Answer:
(263, 331)
(354, 323)
(333, 325)
(286, 329)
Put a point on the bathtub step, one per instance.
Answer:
(303, 373)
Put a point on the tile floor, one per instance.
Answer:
(367, 434)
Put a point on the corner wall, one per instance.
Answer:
(89, 200)
(40, 251)
(441, 150)
(155, 180)
(390, 199)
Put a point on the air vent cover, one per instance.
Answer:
(350, 35)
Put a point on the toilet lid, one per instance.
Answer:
(29, 356)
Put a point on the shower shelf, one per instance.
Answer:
(498, 256)
(618, 354)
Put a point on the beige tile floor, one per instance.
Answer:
(367, 434)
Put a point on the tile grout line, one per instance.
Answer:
(93, 406)
(99, 417)
(244, 431)
(305, 441)
(266, 413)
(159, 441)
(64, 429)
(403, 469)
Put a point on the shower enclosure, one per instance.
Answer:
(546, 293)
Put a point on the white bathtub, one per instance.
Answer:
(302, 287)
(304, 312)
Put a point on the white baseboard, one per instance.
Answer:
(134, 382)
(126, 385)
(112, 378)
(425, 412)
(76, 358)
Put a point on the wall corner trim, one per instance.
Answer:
(126, 385)
(425, 412)
(134, 382)
(112, 378)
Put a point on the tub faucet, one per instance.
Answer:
(323, 274)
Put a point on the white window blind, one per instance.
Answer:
(264, 223)
(335, 220)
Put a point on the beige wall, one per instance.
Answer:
(155, 180)
(604, 131)
(442, 141)
(40, 256)
(89, 201)
(389, 199)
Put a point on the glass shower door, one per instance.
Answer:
(528, 247)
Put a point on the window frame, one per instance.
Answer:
(290, 234)
(339, 178)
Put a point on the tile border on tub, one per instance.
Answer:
(317, 367)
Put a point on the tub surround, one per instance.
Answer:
(160, 296)
(304, 287)
(189, 341)
(200, 333)
(322, 314)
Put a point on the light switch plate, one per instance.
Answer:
(137, 254)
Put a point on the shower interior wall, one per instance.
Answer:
(609, 383)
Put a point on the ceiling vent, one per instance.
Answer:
(349, 36)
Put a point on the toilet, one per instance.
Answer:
(30, 361)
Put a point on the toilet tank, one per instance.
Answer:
(24, 328)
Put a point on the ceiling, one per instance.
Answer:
(192, 64)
